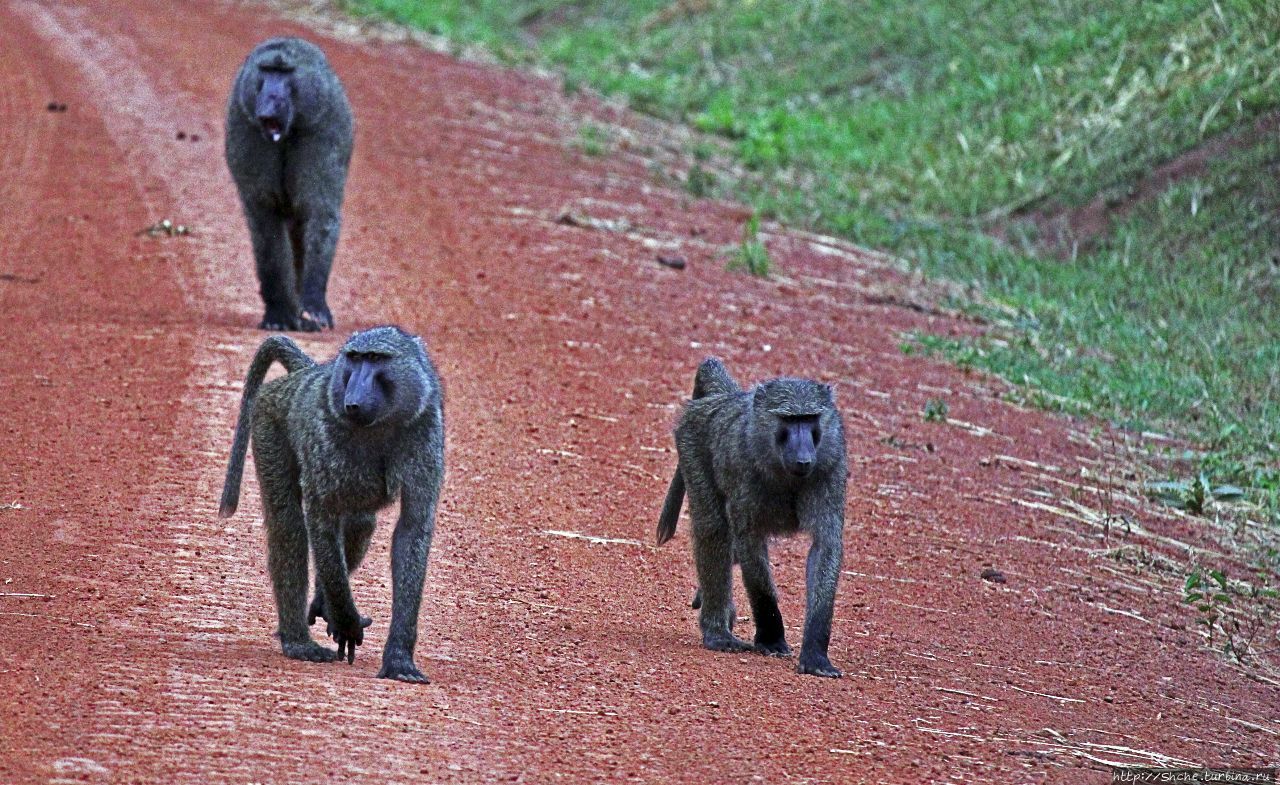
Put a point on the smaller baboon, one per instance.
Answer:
(288, 144)
(757, 463)
(333, 444)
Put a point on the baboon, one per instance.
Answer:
(757, 463)
(333, 444)
(288, 144)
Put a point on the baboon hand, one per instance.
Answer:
(348, 632)
(316, 611)
(725, 641)
(778, 648)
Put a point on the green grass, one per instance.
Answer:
(919, 126)
(592, 140)
(751, 255)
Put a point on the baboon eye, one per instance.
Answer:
(782, 436)
(817, 436)
(260, 83)
(346, 377)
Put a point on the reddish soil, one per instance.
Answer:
(138, 625)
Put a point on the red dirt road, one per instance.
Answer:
(137, 625)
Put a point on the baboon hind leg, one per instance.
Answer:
(357, 531)
(277, 281)
(287, 559)
(713, 557)
(753, 554)
(298, 247)
(318, 239)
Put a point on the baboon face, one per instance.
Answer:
(381, 377)
(362, 387)
(796, 441)
(273, 105)
(790, 413)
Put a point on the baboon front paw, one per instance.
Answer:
(318, 316)
(726, 642)
(309, 651)
(402, 669)
(365, 621)
(817, 665)
(348, 632)
(778, 648)
(316, 611)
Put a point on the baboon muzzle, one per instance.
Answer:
(362, 399)
(274, 107)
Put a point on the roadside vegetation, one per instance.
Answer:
(1106, 173)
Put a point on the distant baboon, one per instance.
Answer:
(333, 444)
(289, 136)
(758, 463)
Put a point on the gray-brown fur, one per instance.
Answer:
(333, 444)
(288, 143)
(758, 463)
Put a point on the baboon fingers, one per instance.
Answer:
(815, 664)
(348, 645)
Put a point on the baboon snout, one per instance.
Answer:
(364, 391)
(274, 108)
(359, 411)
(798, 445)
(801, 467)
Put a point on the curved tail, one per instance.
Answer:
(277, 347)
(712, 379)
(671, 509)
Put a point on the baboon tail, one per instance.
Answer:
(713, 379)
(671, 509)
(277, 347)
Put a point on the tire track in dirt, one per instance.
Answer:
(59, 452)
(564, 351)
(201, 597)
